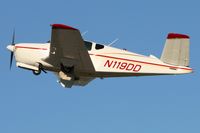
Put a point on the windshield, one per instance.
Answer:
(88, 45)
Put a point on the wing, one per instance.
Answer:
(68, 48)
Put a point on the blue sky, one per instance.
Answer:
(164, 104)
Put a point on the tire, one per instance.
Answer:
(36, 72)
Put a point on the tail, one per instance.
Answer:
(176, 50)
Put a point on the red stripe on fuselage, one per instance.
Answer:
(31, 48)
(142, 62)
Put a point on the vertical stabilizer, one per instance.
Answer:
(176, 50)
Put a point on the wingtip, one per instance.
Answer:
(62, 26)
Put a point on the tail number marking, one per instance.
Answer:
(123, 66)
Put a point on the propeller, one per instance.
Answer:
(12, 45)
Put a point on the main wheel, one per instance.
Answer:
(36, 72)
(67, 69)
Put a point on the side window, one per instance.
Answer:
(88, 45)
(99, 46)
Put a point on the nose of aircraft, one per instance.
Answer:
(11, 48)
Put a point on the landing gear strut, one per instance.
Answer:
(40, 68)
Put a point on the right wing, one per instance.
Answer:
(67, 48)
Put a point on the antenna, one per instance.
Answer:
(82, 34)
(113, 42)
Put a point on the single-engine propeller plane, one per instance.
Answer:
(77, 62)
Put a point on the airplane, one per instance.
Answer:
(76, 61)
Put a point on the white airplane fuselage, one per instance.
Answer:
(107, 61)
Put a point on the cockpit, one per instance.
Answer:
(90, 46)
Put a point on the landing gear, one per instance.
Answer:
(67, 69)
(37, 72)
(40, 68)
(67, 73)
(67, 76)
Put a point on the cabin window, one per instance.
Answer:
(88, 45)
(99, 46)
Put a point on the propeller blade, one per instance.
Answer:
(11, 59)
(13, 38)
(11, 54)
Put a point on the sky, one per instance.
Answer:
(167, 104)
